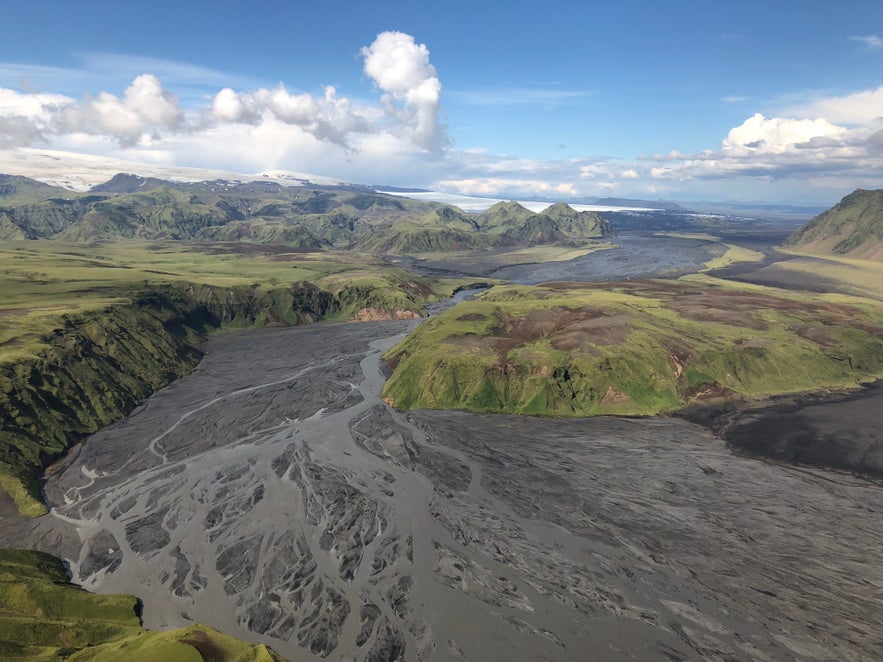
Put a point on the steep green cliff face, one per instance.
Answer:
(852, 228)
(99, 365)
(44, 617)
(630, 349)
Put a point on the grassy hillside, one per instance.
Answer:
(130, 207)
(852, 228)
(632, 348)
(43, 617)
(88, 331)
(514, 224)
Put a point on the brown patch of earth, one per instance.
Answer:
(614, 397)
(587, 335)
(370, 314)
(817, 334)
(512, 332)
(470, 342)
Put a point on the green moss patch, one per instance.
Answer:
(44, 617)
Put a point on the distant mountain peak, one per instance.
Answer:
(125, 182)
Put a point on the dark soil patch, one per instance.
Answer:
(835, 431)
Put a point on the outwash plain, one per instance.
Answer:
(274, 495)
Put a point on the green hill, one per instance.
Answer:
(514, 224)
(852, 228)
(577, 224)
(408, 238)
(44, 617)
(503, 216)
(15, 189)
(575, 349)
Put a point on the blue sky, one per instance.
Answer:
(753, 101)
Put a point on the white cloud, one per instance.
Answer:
(229, 105)
(859, 108)
(40, 108)
(145, 108)
(26, 118)
(871, 41)
(400, 68)
(777, 135)
(147, 112)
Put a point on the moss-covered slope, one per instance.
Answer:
(631, 349)
(852, 228)
(74, 373)
(97, 367)
(511, 223)
(43, 617)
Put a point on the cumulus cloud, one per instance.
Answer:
(229, 105)
(776, 149)
(777, 135)
(859, 108)
(25, 118)
(400, 67)
(145, 108)
(408, 108)
(328, 117)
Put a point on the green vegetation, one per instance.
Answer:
(513, 224)
(852, 228)
(42, 281)
(632, 348)
(130, 207)
(44, 617)
(88, 331)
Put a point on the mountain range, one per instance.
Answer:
(305, 216)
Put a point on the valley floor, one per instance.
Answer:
(272, 495)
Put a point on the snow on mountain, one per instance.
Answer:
(80, 172)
